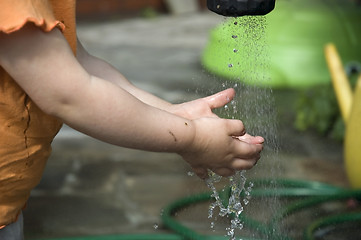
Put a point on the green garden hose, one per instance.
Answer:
(304, 193)
(311, 193)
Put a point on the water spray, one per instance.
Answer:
(232, 204)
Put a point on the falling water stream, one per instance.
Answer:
(253, 105)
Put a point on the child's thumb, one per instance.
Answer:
(220, 99)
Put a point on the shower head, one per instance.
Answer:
(237, 8)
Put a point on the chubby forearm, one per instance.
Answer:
(102, 69)
(112, 115)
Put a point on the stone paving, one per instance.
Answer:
(92, 188)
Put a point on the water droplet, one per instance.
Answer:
(223, 212)
(230, 233)
(212, 225)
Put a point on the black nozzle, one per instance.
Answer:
(237, 8)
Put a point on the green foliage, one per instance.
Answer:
(317, 109)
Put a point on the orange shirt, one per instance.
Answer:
(26, 132)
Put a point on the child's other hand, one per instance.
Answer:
(222, 146)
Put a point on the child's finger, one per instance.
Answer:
(251, 139)
(242, 164)
(247, 152)
(220, 99)
(235, 127)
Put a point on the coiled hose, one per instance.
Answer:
(309, 193)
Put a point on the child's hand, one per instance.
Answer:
(222, 146)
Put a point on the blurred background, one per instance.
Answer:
(176, 50)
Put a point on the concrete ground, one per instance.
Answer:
(92, 188)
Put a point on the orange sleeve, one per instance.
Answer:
(15, 14)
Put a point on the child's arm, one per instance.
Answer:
(44, 66)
